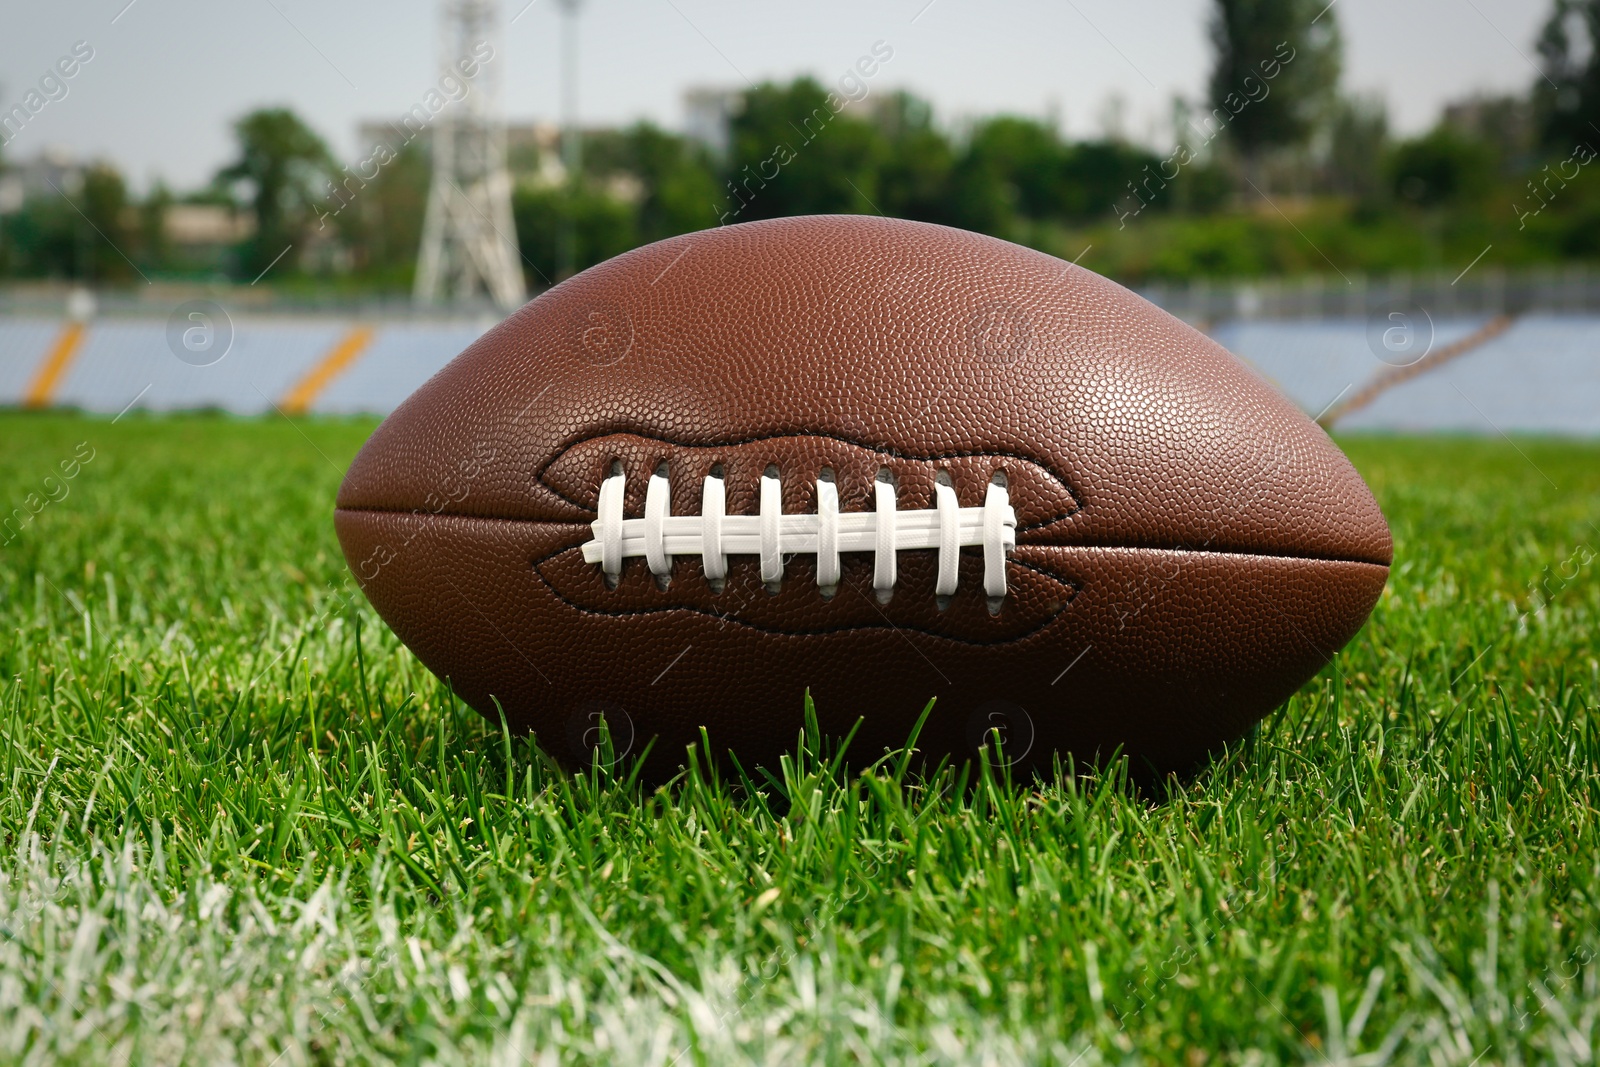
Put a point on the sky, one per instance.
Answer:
(167, 77)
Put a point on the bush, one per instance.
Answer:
(1441, 167)
(602, 227)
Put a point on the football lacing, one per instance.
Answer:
(714, 535)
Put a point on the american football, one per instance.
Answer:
(881, 461)
(607, 533)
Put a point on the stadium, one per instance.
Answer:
(269, 798)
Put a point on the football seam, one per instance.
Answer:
(1072, 591)
(575, 526)
(1067, 487)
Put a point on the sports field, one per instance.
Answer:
(240, 823)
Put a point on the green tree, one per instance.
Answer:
(640, 184)
(678, 185)
(1568, 95)
(1441, 167)
(154, 248)
(979, 198)
(286, 166)
(914, 177)
(380, 217)
(796, 151)
(45, 239)
(78, 232)
(104, 238)
(1275, 73)
(1027, 156)
(1009, 169)
(1098, 177)
(603, 226)
(1358, 138)
(1015, 168)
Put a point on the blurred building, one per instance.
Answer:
(707, 113)
(50, 172)
(204, 236)
(200, 226)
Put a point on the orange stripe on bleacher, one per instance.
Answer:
(340, 357)
(47, 379)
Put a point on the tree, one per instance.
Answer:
(286, 166)
(1358, 136)
(1568, 95)
(602, 226)
(1442, 167)
(104, 204)
(1276, 71)
(640, 184)
(678, 188)
(78, 232)
(154, 248)
(1507, 122)
(796, 151)
(379, 216)
(1027, 157)
(914, 176)
(1016, 168)
(1099, 177)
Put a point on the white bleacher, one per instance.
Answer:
(1540, 376)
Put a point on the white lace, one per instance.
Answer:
(715, 535)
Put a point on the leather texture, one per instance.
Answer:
(1190, 547)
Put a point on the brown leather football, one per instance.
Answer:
(880, 460)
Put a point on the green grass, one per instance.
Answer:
(240, 823)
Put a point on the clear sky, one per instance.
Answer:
(168, 76)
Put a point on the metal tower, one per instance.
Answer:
(469, 243)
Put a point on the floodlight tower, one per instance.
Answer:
(469, 244)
